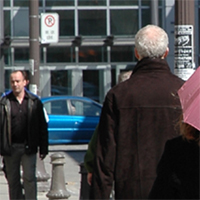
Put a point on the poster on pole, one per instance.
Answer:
(184, 51)
(49, 28)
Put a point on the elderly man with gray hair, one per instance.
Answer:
(138, 117)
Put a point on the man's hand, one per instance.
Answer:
(42, 156)
(89, 178)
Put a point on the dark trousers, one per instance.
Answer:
(13, 173)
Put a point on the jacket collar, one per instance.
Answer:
(151, 64)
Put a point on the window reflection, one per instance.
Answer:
(91, 84)
(21, 23)
(92, 54)
(61, 82)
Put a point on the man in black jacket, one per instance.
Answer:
(23, 129)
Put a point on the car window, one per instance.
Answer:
(58, 107)
(85, 108)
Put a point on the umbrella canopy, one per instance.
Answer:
(189, 95)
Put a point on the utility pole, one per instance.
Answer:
(184, 65)
(2, 84)
(34, 46)
(154, 12)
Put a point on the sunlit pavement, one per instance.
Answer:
(74, 155)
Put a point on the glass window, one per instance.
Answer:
(7, 56)
(91, 84)
(58, 107)
(92, 22)
(123, 3)
(24, 3)
(66, 22)
(6, 3)
(124, 22)
(7, 23)
(146, 17)
(85, 108)
(21, 22)
(122, 54)
(61, 82)
(146, 2)
(92, 54)
(59, 3)
(91, 2)
(60, 54)
(21, 55)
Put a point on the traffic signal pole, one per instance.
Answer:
(34, 46)
(184, 65)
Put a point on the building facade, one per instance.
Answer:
(96, 42)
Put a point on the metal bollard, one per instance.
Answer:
(42, 176)
(58, 189)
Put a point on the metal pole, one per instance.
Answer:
(184, 38)
(2, 72)
(154, 12)
(34, 47)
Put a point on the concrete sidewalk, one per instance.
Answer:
(74, 155)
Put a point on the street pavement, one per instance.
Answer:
(73, 156)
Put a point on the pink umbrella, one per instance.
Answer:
(189, 95)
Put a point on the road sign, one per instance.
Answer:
(49, 28)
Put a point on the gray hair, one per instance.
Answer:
(151, 41)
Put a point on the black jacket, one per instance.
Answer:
(37, 126)
(178, 171)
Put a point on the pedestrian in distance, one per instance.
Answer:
(137, 118)
(23, 132)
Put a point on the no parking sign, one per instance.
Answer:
(49, 28)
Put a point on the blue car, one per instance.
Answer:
(72, 119)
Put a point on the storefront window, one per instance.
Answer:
(92, 22)
(60, 54)
(122, 54)
(92, 54)
(124, 22)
